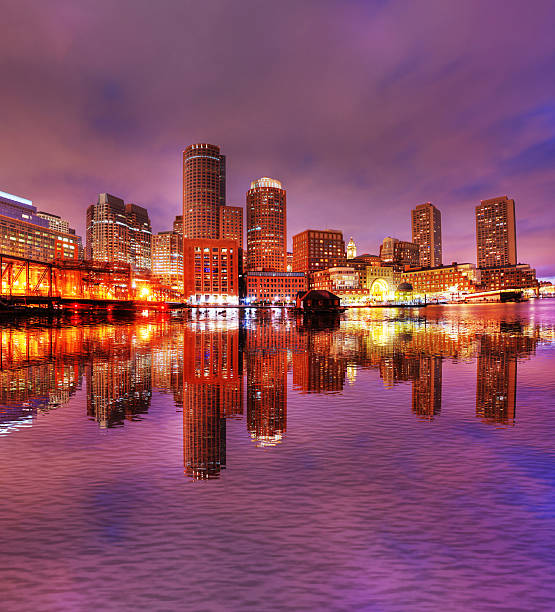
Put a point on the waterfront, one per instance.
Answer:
(386, 459)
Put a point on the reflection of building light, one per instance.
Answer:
(266, 440)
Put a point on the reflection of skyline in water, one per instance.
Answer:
(215, 368)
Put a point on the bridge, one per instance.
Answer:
(75, 284)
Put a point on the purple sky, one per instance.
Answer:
(362, 109)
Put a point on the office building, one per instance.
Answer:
(426, 232)
(211, 271)
(266, 226)
(120, 233)
(496, 233)
(318, 250)
(400, 252)
(24, 233)
(204, 190)
(231, 224)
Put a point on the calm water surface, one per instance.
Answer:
(386, 460)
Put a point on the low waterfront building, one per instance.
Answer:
(521, 276)
(26, 234)
(211, 271)
(268, 287)
(454, 279)
(337, 280)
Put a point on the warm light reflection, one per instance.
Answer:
(237, 368)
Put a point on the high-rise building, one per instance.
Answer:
(318, 250)
(117, 232)
(24, 233)
(203, 190)
(351, 249)
(231, 224)
(426, 232)
(140, 237)
(496, 233)
(167, 258)
(266, 226)
(400, 252)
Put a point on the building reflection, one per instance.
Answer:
(40, 370)
(266, 391)
(212, 392)
(426, 388)
(212, 366)
(496, 374)
(271, 347)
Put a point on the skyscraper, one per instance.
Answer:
(496, 233)
(426, 232)
(203, 190)
(266, 226)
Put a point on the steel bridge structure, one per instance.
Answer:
(28, 282)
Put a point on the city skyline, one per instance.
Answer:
(354, 138)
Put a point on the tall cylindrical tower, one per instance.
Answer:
(266, 226)
(203, 190)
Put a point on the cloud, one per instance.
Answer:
(362, 109)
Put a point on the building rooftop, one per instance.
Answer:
(266, 182)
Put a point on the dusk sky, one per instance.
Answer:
(362, 109)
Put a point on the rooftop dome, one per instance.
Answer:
(266, 181)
